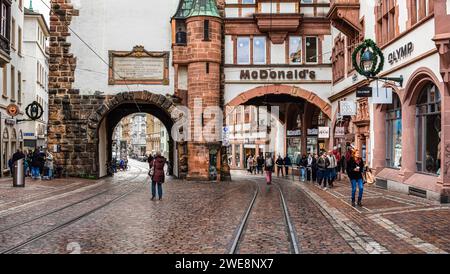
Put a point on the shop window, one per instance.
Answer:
(259, 50)
(295, 49)
(428, 130)
(243, 50)
(5, 148)
(394, 133)
(311, 50)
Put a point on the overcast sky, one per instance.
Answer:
(38, 6)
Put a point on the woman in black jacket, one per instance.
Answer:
(355, 169)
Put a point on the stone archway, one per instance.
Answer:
(283, 89)
(102, 121)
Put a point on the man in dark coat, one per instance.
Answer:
(35, 174)
(158, 177)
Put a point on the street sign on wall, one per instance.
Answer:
(382, 96)
(339, 132)
(364, 92)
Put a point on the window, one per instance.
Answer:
(394, 133)
(338, 59)
(5, 148)
(248, 1)
(243, 50)
(13, 83)
(295, 49)
(386, 22)
(428, 130)
(5, 81)
(4, 20)
(206, 30)
(13, 34)
(420, 9)
(259, 50)
(19, 34)
(311, 50)
(19, 85)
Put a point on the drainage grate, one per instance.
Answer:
(381, 183)
(417, 192)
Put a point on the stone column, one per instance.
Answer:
(379, 142)
(408, 140)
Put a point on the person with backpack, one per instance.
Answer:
(322, 166)
(268, 168)
(260, 163)
(355, 169)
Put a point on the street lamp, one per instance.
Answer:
(366, 62)
(371, 62)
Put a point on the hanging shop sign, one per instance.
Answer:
(347, 108)
(34, 111)
(364, 92)
(294, 133)
(313, 131)
(324, 132)
(339, 132)
(266, 74)
(400, 53)
(382, 96)
(12, 110)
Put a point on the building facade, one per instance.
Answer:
(35, 84)
(11, 78)
(405, 141)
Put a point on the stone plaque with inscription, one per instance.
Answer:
(138, 67)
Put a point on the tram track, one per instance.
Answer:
(44, 233)
(243, 225)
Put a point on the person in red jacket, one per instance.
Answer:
(158, 177)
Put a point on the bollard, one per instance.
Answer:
(19, 174)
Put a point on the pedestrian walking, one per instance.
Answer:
(269, 168)
(35, 173)
(260, 164)
(331, 170)
(355, 169)
(287, 164)
(310, 162)
(158, 176)
(302, 164)
(49, 168)
(250, 164)
(322, 165)
(279, 164)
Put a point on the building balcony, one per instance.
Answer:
(278, 25)
(5, 50)
(344, 15)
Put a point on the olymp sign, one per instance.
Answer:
(401, 53)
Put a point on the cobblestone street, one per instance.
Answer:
(116, 215)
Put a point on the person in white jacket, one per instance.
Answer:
(331, 168)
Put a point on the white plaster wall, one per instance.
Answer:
(327, 47)
(307, 11)
(182, 78)
(229, 50)
(118, 25)
(278, 53)
(448, 6)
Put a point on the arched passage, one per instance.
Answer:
(294, 127)
(102, 122)
(282, 90)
